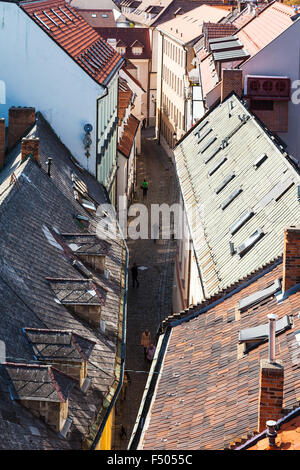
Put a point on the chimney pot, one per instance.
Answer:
(272, 336)
(271, 432)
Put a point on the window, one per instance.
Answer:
(259, 296)
(208, 144)
(231, 198)
(137, 50)
(259, 161)
(225, 182)
(250, 242)
(217, 166)
(241, 221)
(253, 337)
(94, 15)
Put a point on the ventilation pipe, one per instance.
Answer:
(272, 332)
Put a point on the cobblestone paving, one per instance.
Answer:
(151, 302)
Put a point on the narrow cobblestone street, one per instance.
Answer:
(152, 300)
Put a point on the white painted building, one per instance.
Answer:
(39, 72)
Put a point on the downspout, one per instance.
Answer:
(97, 126)
(189, 273)
(123, 350)
(161, 87)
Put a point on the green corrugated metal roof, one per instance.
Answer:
(231, 55)
(209, 223)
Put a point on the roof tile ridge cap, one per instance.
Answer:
(49, 330)
(56, 385)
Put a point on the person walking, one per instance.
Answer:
(146, 340)
(134, 274)
(145, 188)
(150, 352)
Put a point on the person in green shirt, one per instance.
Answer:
(144, 188)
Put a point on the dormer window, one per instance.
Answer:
(81, 297)
(121, 47)
(43, 389)
(253, 337)
(82, 196)
(63, 349)
(137, 48)
(89, 249)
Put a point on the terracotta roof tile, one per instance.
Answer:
(70, 30)
(209, 395)
(130, 130)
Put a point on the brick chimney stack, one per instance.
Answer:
(30, 148)
(270, 392)
(20, 120)
(2, 142)
(232, 80)
(291, 257)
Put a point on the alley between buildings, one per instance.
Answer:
(151, 302)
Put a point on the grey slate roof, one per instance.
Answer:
(36, 382)
(30, 208)
(86, 243)
(216, 201)
(77, 292)
(59, 344)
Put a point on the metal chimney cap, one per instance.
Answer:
(271, 423)
(272, 316)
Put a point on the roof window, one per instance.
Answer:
(212, 155)
(241, 221)
(260, 160)
(259, 296)
(250, 242)
(231, 198)
(217, 166)
(225, 182)
(208, 144)
(253, 337)
(202, 136)
(277, 192)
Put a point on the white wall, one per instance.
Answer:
(38, 73)
(282, 57)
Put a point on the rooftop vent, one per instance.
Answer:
(240, 222)
(231, 198)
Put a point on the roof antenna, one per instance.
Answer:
(49, 163)
(272, 332)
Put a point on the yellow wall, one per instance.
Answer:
(106, 438)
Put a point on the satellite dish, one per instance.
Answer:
(88, 127)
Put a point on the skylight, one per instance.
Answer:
(250, 242)
(241, 221)
(253, 337)
(217, 166)
(259, 161)
(260, 295)
(225, 182)
(217, 149)
(231, 198)
(208, 144)
(202, 136)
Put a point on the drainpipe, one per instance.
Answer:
(97, 126)
(161, 87)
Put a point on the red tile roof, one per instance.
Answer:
(207, 395)
(130, 130)
(68, 29)
(218, 30)
(128, 36)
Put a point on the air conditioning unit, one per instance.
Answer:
(267, 87)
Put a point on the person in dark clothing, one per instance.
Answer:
(134, 274)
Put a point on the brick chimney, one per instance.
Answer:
(2, 142)
(291, 257)
(232, 80)
(20, 120)
(30, 148)
(270, 392)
